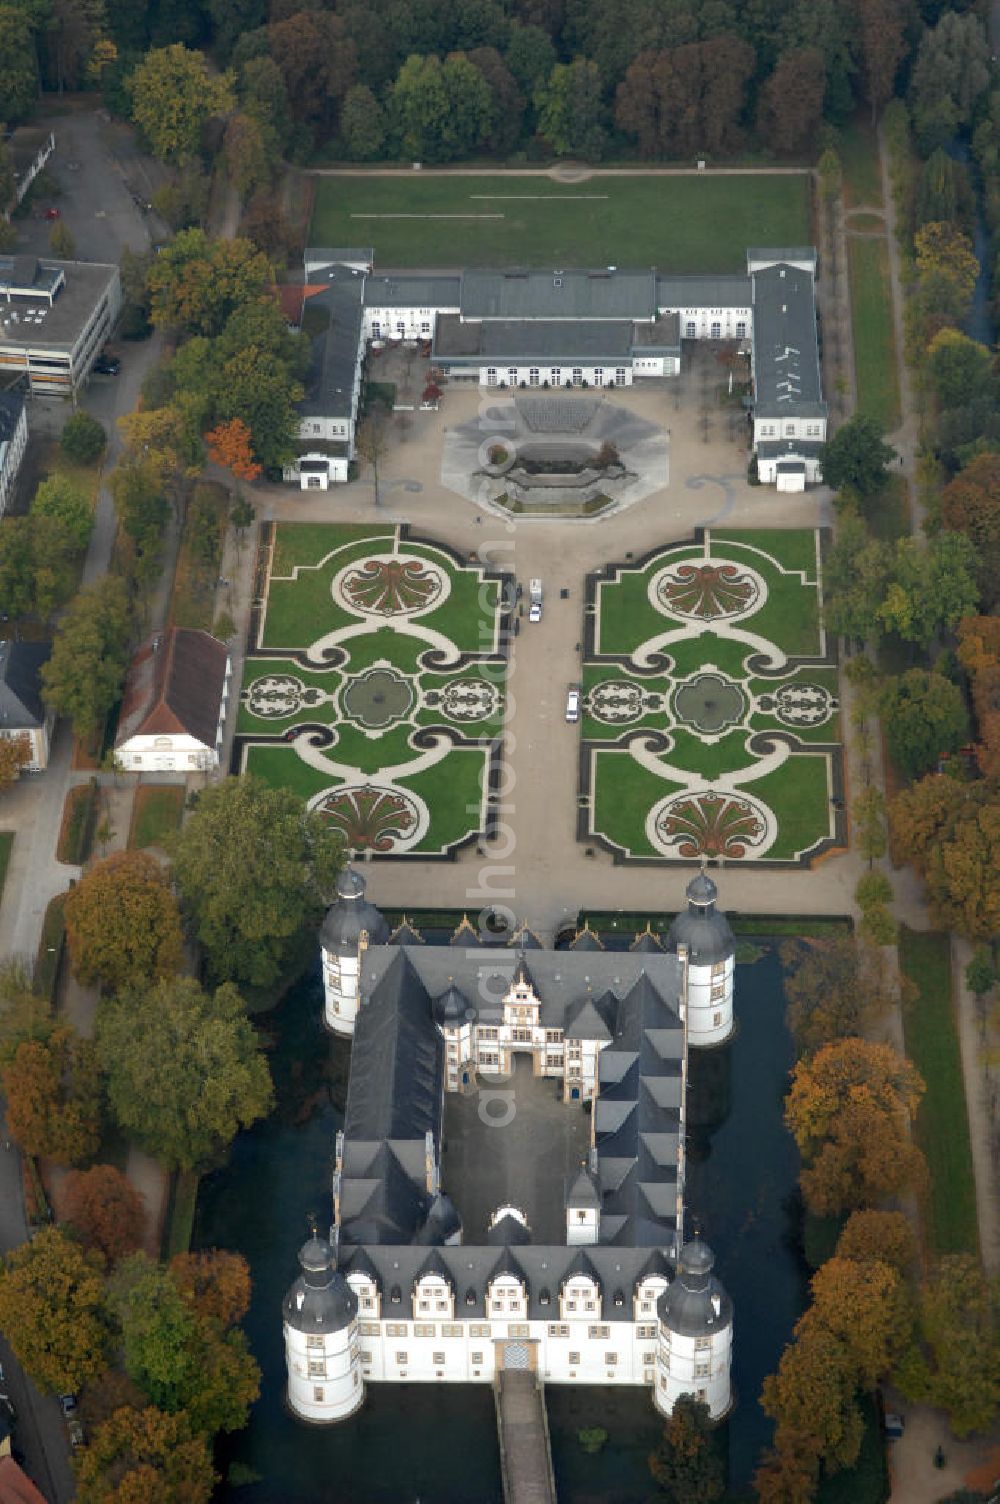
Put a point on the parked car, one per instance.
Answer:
(52, 213)
(535, 599)
(76, 1436)
(573, 703)
(67, 1403)
(106, 365)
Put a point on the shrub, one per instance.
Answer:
(83, 439)
(497, 454)
(874, 887)
(878, 926)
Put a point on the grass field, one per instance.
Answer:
(714, 728)
(156, 814)
(874, 339)
(942, 1127)
(679, 224)
(858, 150)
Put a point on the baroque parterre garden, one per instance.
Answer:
(710, 718)
(376, 688)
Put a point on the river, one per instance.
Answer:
(437, 1444)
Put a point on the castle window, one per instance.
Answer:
(369, 1328)
(598, 1331)
(401, 1358)
(425, 1305)
(479, 1329)
(366, 1357)
(719, 990)
(558, 1331)
(317, 1368)
(451, 1329)
(438, 1360)
(476, 1357)
(315, 1342)
(396, 1329)
(590, 1305)
(620, 376)
(610, 1359)
(574, 1359)
(702, 1344)
(716, 1020)
(518, 1329)
(424, 1329)
(318, 1395)
(649, 1357)
(441, 1305)
(581, 1216)
(702, 1370)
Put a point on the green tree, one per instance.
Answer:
(253, 868)
(181, 1358)
(60, 496)
(184, 1068)
(23, 1014)
(570, 110)
(52, 1312)
(959, 368)
(856, 457)
(261, 391)
(970, 504)
(53, 1091)
(122, 922)
(924, 719)
(855, 577)
(957, 1364)
(249, 161)
(930, 587)
(686, 1464)
(144, 1454)
(37, 566)
(530, 56)
(143, 512)
(869, 823)
(18, 64)
(83, 439)
(363, 124)
(951, 71)
(831, 173)
(440, 110)
(944, 191)
(947, 270)
(62, 242)
(980, 974)
(173, 96)
(196, 282)
(83, 677)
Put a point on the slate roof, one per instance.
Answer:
(703, 292)
(560, 342)
(349, 914)
(332, 317)
(320, 1300)
(785, 345)
(696, 1304)
(21, 707)
(559, 294)
(397, 1058)
(174, 687)
(801, 448)
(411, 290)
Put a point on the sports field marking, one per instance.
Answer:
(428, 216)
(540, 198)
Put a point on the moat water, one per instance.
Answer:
(438, 1444)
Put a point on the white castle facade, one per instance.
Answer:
(411, 1286)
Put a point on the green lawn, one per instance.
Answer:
(678, 224)
(309, 542)
(6, 847)
(858, 151)
(942, 1122)
(874, 338)
(156, 814)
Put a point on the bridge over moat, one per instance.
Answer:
(525, 1454)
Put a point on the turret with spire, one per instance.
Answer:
(711, 963)
(351, 924)
(320, 1325)
(696, 1334)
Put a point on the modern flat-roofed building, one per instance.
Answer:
(13, 442)
(54, 318)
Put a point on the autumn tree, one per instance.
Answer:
(924, 719)
(883, 47)
(83, 677)
(122, 922)
(812, 1401)
(865, 1305)
(248, 162)
(970, 504)
(15, 752)
(229, 445)
(214, 1284)
(686, 1464)
(52, 1311)
(950, 831)
(173, 97)
(979, 655)
(930, 586)
(196, 282)
(147, 1455)
(104, 1211)
(848, 1110)
(883, 1236)
(318, 64)
(253, 867)
(53, 1091)
(790, 106)
(956, 1366)
(947, 270)
(834, 989)
(23, 1014)
(184, 1068)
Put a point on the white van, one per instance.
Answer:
(535, 600)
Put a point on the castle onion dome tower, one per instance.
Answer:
(711, 963)
(320, 1324)
(351, 923)
(696, 1335)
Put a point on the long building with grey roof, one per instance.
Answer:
(583, 327)
(508, 1184)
